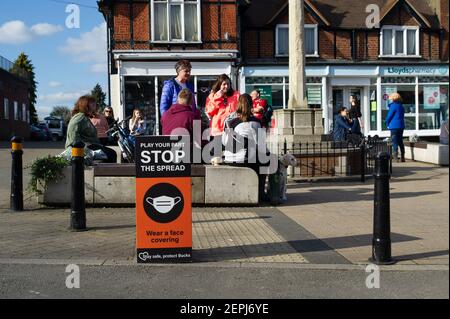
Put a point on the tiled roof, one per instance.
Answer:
(340, 13)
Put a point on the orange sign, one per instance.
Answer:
(163, 201)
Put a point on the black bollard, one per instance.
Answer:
(381, 243)
(78, 204)
(16, 199)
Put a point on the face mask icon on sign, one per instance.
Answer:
(163, 204)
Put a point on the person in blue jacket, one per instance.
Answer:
(174, 86)
(343, 126)
(395, 122)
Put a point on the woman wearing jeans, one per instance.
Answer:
(395, 122)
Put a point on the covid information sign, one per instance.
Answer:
(163, 199)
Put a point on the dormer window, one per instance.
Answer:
(175, 21)
(399, 41)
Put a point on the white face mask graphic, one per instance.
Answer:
(163, 204)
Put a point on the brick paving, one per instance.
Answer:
(218, 235)
(322, 223)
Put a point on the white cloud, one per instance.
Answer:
(46, 29)
(54, 84)
(17, 32)
(60, 98)
(90, 47)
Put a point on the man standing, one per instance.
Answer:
(260, 107)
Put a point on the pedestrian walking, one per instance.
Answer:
(395, 122)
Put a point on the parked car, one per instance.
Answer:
(37, 134)
(43, 126)
(57, 128)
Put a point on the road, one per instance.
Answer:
(221, 281)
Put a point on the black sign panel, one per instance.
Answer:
(163, 156)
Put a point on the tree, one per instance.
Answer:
(23, 63)
(100, 97)
(61, 111)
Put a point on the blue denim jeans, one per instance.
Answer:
(397, 141)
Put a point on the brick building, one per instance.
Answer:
(407, 52)
(14, 102)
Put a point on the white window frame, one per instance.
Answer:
(5, 109)
(182, 3)
(307, 26)
(395, 29)
(16, 111)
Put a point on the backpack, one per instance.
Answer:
(267, 116)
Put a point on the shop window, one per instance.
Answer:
(399, 41)
(6, 109)
(373, 107)
(140, 94)
(314, 95)
(408, 94)
(282, 40)
(433, 106)
(176, 21)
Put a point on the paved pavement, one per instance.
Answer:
(324, 230)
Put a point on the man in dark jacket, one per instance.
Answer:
(343, 127)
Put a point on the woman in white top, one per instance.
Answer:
(241, 140)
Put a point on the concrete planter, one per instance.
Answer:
(221, 185)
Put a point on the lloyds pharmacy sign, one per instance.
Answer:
(415, 70)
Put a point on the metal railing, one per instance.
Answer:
(329, 159)
(8, 66)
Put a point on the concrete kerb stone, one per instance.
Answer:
(248, 265)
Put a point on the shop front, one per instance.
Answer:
(424, 90)
(139, 84)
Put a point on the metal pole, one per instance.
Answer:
(16, 199)
(78, 204)
(381, 243)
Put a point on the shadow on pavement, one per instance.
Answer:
(300, 246)
(338, 195)
(423, 255)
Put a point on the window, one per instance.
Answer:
(24, 112)
(176, 21)
(433, 106)
(399, 41)
(6, 109)
(16, 111)
(282, 40)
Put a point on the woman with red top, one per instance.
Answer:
(222, 101)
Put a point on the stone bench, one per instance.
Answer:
(426, 152)
(115, 184)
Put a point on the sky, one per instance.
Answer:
(69, 61)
